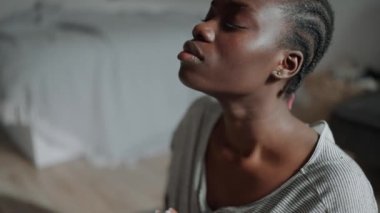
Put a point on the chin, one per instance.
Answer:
(199, 80)
(186, 78)
(190, 79)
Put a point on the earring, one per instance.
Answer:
(278, 73)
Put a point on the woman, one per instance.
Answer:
(242, 150)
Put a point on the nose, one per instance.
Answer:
(204, 31)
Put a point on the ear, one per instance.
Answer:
(290, 65)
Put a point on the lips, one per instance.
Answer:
(191, 48)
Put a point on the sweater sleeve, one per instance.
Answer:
(190, 121)
(353, 194)
(349, 190)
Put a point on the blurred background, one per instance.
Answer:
(89, 98)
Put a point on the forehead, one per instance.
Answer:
(267, 14)
(261, 10)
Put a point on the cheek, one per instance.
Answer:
(246, 66)
(234, 51)
(248, 57)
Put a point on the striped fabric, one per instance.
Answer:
(329, 182)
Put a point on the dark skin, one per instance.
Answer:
(257, 144)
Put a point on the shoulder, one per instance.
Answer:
(340, 182)
(202, 103)
(198, 108)
(194, 117)
(202, 106)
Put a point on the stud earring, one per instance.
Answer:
(278, 73)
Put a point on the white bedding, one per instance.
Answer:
(104, 85)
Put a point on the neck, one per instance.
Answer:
(251, 125)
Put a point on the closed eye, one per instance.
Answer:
(231, 26)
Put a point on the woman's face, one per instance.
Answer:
(235, 48)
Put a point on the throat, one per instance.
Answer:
(241, 140)
(243, 163)
(232, 180)
(232, 142)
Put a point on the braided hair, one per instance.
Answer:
(312, 25)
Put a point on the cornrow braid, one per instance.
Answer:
(312, 25)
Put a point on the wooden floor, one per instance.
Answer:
(79, 187)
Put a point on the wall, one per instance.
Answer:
(356, 35)
(357, 32)
(8, 7)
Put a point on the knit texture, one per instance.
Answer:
(329, 182)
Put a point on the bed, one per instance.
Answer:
(89, 83)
